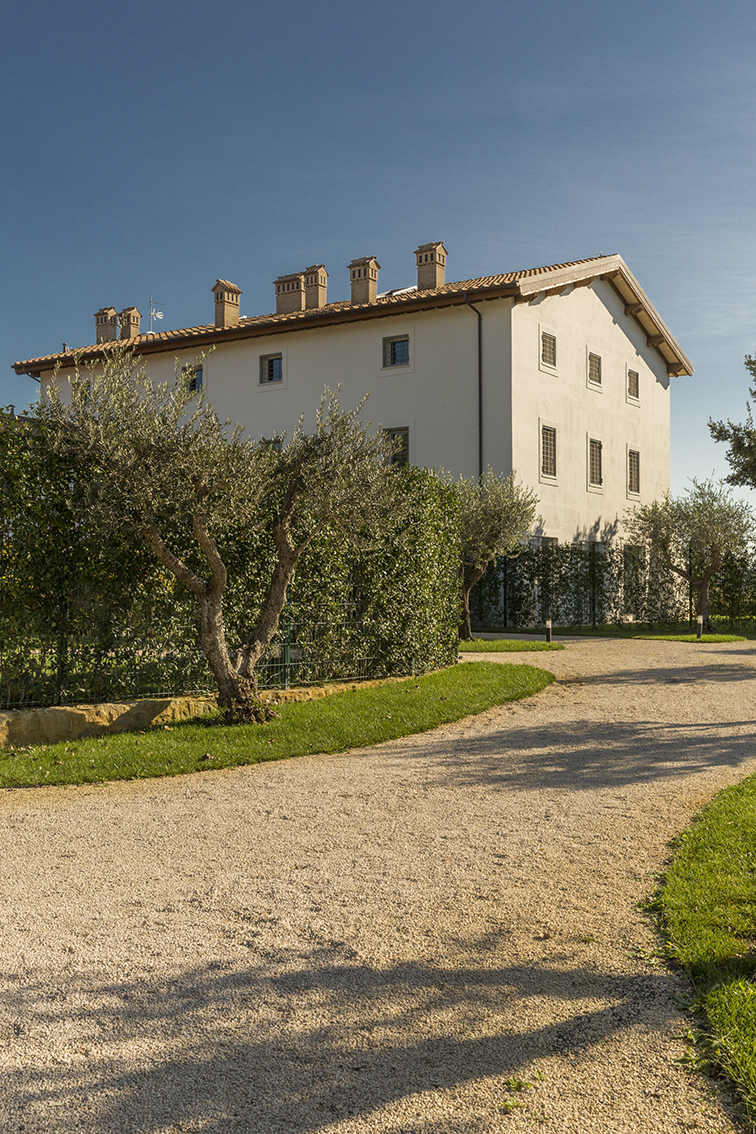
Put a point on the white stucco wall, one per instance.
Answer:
(588, 319)
(436, 395)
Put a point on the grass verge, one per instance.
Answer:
(357, 718)
(678, 633)
(690, 637)
(707, 907)
(505, 646)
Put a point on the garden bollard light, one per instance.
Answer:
(699, 627)
(548, 629)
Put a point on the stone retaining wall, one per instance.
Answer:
(21, 728)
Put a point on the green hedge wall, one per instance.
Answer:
(85, 621)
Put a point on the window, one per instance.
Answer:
(633, 471)
(633, 384)
(271, 368)
(594, 369)
(400, 441)
(548, 450)
(595, 478)
(548, 348)
(396, 351)
(193, 375)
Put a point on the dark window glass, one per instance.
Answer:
(633, 384)
(400, 439)
(271, 368)
(396, 351)
(594, 368)
(594, 463)
(548, 349)
(193, 375)
(548, 451)
(633, 471)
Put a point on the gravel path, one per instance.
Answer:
(376, 942)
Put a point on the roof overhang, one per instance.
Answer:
(522, 289)
(637, 305)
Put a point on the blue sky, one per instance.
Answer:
(154, 147)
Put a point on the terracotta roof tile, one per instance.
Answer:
(209, 330)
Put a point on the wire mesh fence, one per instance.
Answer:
(84, 666)
(594, 584)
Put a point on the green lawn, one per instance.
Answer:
(357, 718)
(708, 915)
(676, 633)
(690, 637)
(505, 646)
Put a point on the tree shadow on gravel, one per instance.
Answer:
(584, 754)
(694, 674)
(299, 1040)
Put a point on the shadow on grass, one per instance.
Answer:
(296, 1040)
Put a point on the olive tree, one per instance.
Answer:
(171, 473)
(742, 439)
(496, 515)
(692, 533)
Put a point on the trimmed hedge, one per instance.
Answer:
(82, 620)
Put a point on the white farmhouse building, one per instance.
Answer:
(561, 373)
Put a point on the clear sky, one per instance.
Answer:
(151, 148)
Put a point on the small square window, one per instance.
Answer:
(633, 384)
(594, 369)
(400, 441)
(396, 351)
(193, 375)
(633, 471)
(548, 349)
(595, 478)
(271, 368)
(548, 450)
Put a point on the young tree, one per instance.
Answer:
(496, 515)
(742, 439)
(693, 533)
(170, 472)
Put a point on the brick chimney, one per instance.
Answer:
(290, 293)
(431, 265)
(227, 296)
(363, 274)
(129, 322)
(316, 286)
(106, 324)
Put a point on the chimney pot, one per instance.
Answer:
(227, 298)
(290, 293)
(106, 325)
(431, 265)
(129, 322)
(363, 275)
(316, 286)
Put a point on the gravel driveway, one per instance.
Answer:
(377, 941)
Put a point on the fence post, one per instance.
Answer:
(287, 653)
(592, 582)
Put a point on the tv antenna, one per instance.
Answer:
(155, 311)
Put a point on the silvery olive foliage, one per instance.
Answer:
(496, 515)
(169, 472)
(742, 439)
(693, 533)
